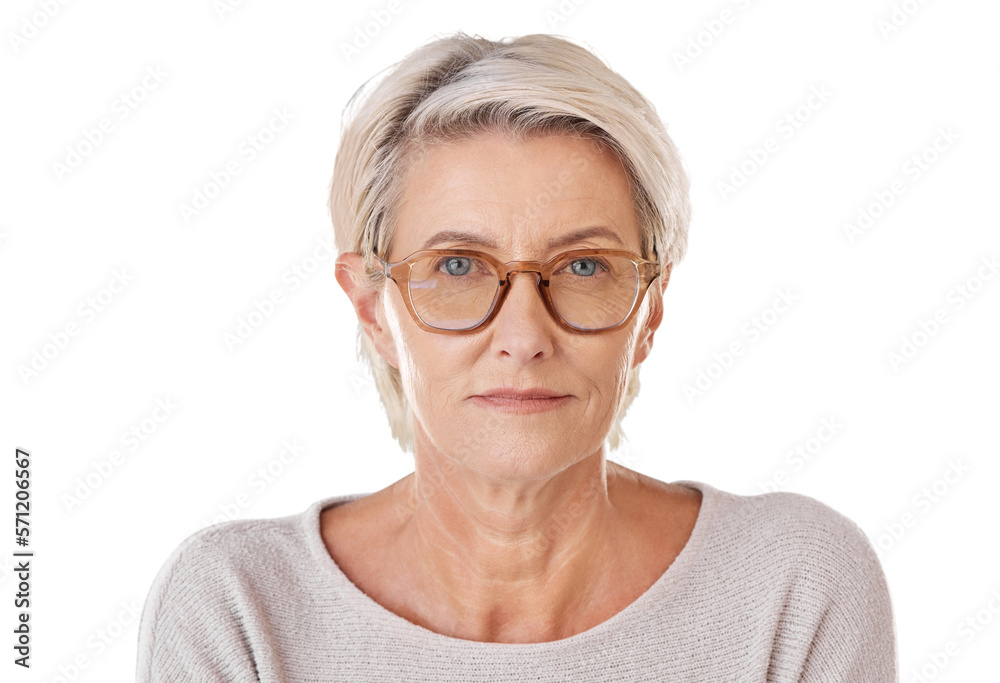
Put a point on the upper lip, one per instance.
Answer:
(510, 392)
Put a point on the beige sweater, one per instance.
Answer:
(771, 587)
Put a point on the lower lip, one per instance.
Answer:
(521, 406)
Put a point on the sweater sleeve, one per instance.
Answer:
(190, 630)
(855, 640)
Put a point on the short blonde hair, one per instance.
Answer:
(460, 85)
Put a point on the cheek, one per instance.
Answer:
(432, 367)
(605, 365)
(619, 350)
(625, 353)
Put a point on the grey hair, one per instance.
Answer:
(459, 85)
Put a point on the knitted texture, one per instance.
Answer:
(775, 587)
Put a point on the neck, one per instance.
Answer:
(512, 560)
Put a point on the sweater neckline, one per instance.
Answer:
(648, 601)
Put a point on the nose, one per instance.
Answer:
(523, 327)
(528, 288)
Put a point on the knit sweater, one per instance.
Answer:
(770, 587)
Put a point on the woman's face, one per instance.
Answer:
(518, 196)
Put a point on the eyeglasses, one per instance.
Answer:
(454, 291)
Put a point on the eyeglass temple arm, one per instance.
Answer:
(649, 270)
(383, 266)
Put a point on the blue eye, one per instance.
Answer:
(587, 267)
(460, 266)
(456, 265)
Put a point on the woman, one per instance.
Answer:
(528, 208)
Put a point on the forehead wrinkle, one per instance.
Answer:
(474, 204)
(479, 227)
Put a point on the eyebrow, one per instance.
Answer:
(560, 241)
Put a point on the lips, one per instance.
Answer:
(520, 394)
(510, 401)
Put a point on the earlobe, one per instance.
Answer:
(349, 270)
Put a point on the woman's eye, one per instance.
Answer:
(585, 267)
(457, 265)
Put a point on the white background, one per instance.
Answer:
(64, 235)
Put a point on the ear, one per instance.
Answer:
(350, 272)
(644, 345)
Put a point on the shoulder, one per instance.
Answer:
(221, 559)
(795, 520)
(233, 542)
(819, 576)
(805, 575)
(792, 534)
(203, 602)
(221, 593)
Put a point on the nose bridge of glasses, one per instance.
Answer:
(537, 272)
(524, 267)
(535, 282)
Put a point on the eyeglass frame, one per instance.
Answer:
(399, 272)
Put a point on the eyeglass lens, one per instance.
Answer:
(453, 292)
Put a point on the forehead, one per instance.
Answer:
(518, 199)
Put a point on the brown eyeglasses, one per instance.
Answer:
(455, 291)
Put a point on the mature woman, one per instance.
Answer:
(508, 216)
